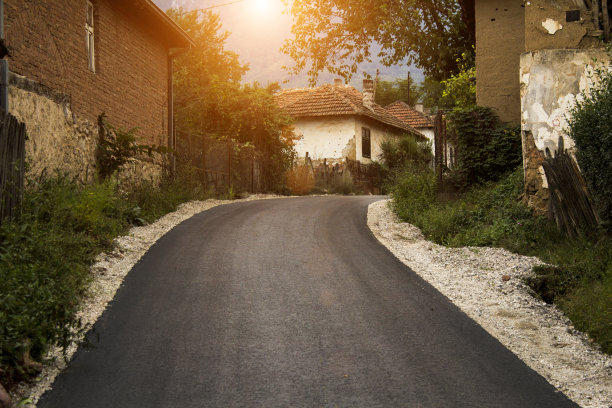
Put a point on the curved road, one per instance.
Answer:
(288, 303)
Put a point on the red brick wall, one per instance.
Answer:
(46, 39)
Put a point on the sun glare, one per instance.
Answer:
(263, 7)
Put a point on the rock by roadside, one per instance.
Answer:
(108, 273)
(487, 284)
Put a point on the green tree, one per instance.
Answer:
(388, 92)
(337, 35)
(211, 104)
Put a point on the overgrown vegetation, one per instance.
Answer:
(486, 148)
(212, 107)
(590, 126)
(300, 180)
(580, 280)
(45, 257)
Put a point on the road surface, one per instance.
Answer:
(288, 303)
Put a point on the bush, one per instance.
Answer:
(486, 148)
(397, 152)
(44, 267)
(300, 180)
(413, 192)
(590, 126)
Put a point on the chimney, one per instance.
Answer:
(419, 108)
(338, 82)
(368, 93)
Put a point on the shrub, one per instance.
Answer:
(44, 267)
(397, 152)
(487, 149)
(413, 192)
(590, 126)
(300, 180)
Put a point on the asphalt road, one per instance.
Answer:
(288, 303)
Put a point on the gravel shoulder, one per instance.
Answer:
(108, 272)
(539, 334)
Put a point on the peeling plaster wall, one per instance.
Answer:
(500, 30)
(326, 137)
(546, 25)
(551, 81)
(334, 138)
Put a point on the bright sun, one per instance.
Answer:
(262, 6)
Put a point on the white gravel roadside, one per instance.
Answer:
(108, 273)
(539, 334)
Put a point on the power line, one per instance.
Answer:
(212, 7)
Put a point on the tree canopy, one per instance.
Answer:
(211, 104)
(337, 35)
(404, 90)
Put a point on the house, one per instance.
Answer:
(72, 60)
(532, 60)
(337, 122)
(414, 118)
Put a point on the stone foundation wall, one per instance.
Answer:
(551, 81)
(58, 140)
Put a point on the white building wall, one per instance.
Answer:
(377, 135)
(326, 137)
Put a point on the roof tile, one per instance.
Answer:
(332, 100)
(409, 115)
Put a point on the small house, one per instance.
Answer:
(337, 121)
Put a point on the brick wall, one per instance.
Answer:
(46, 39)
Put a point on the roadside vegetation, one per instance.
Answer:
(479, 203)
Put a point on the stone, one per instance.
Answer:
(505, 278)
(5, 399)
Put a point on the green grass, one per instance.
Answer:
(492, 215)
(46, 254)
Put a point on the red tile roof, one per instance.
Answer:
(332, 100)
(408, 114)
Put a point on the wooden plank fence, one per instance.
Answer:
(570, 203)
(12, 165)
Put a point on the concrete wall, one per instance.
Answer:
(500, 38)
(551, 81)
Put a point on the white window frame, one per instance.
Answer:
(89, 36)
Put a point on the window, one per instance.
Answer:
(89, 37)
(366, 148)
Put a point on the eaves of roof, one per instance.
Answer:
(332, 100)
(175, 36)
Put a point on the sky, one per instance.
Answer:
(258, 29)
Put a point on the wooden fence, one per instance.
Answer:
(12, 165)
(365, 177)
(570, 203)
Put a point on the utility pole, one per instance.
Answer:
(408, 89)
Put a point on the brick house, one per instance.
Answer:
(71, 60)
(337, 122)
